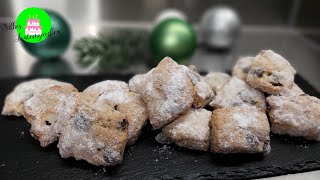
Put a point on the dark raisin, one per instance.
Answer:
(82, 123)
(236, 104)
(252, 140)
(247, 99)
(304, 95)
(98, 149)
(249, 139)
(102, 94)
(123, 124)
(258, 72)
(115, 107)
(276, 84)
(48, 123)
(246, 70)
(253, 102)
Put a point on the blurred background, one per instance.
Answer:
(130, 37)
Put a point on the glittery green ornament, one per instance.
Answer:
(173, 37)
(56, 43)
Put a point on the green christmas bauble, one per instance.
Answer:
(56, 43)
(173, 37)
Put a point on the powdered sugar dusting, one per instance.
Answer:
(106, 86)
(195, 123)
(22, 92)
(190, 130)
(237, 93)
(244, 119)
(167, 92)
(295, 116)
(117, 96)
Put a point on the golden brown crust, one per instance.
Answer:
(239, 130)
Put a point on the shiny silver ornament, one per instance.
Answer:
(220, 27)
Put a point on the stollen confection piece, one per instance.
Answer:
(242, 67)
(116, 94)
(94, 132)
(106, 86)
(295, 116)
(167, 91)
(237, 93)
(190, 130)
(294, 91)
(42, 112)
(271, 73)
(202, 90)
(239, 130)
(136, 81)
(14, 101)
(216, 80)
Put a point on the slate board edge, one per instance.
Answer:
(257, 172)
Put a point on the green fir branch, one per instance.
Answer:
(113, 49)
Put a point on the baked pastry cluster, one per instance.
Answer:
(97, 124)
(94, 125)
(290, 110)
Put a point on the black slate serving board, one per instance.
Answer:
(21, 157)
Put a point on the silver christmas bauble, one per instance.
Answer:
(220, 27)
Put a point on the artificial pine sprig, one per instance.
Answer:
(113, 49)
